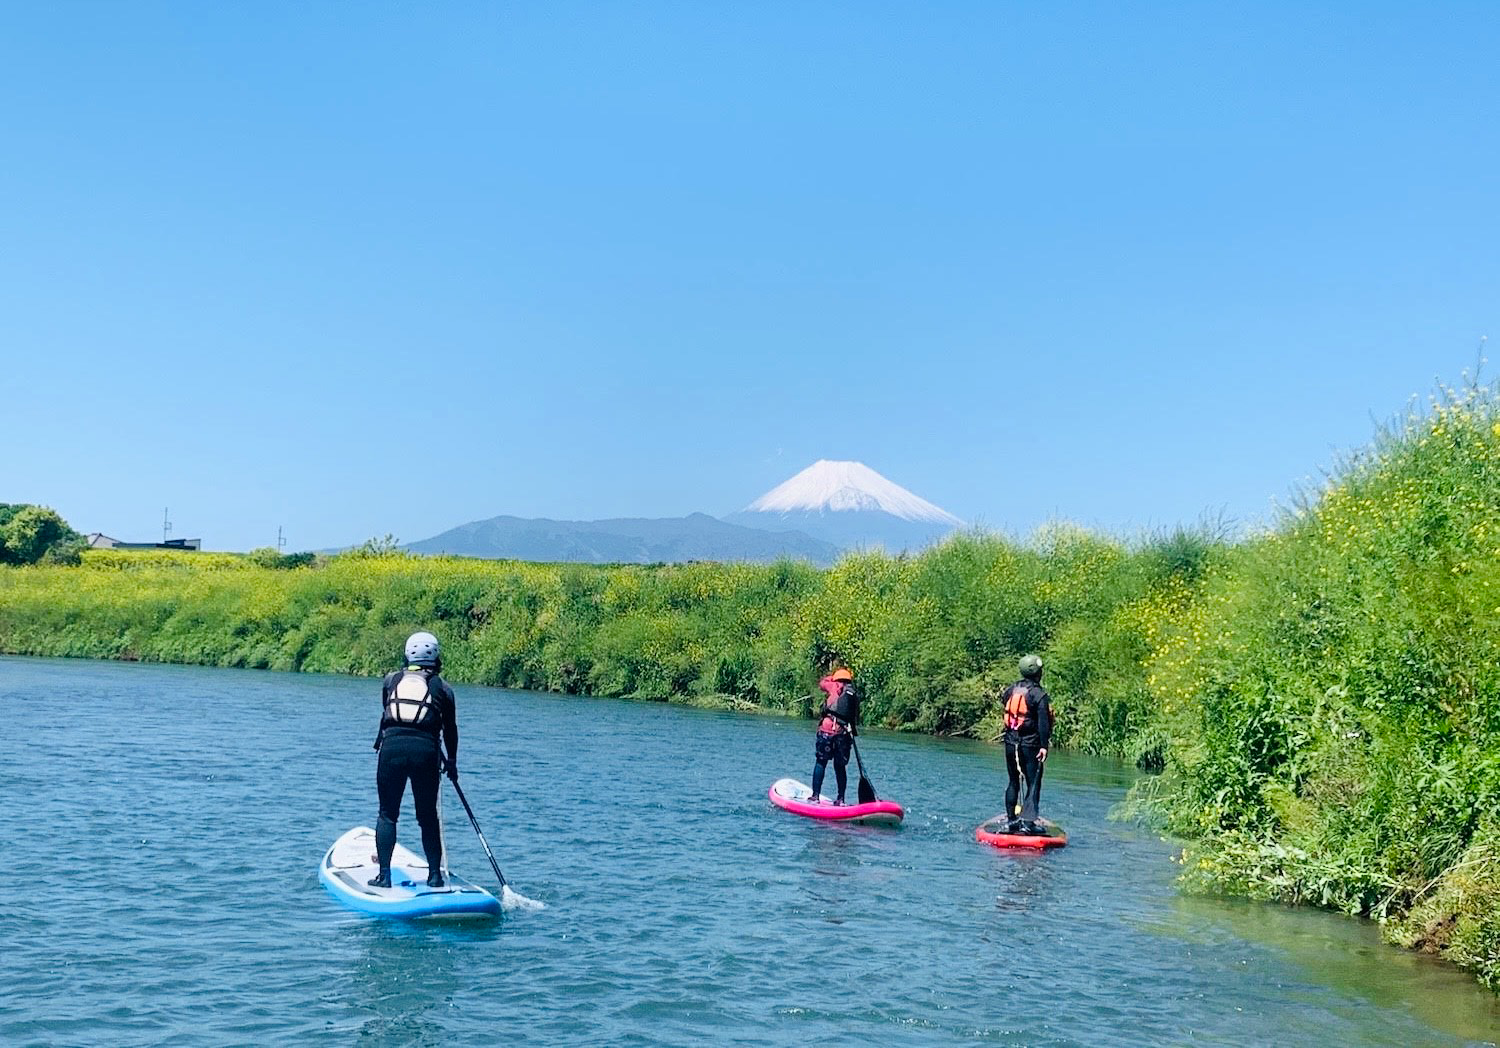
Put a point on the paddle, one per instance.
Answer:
(866, 792)
(475, 823)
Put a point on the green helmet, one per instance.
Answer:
(1031, 666)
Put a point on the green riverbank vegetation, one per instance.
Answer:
(1321, 700)
(36, 535)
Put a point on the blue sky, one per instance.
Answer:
(358, 269)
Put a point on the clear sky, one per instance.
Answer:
(367, 268)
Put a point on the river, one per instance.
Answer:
(165, 823)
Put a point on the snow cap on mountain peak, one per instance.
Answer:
(848, 486)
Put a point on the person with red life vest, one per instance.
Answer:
(835, 730)
(417, 710)
(1028, 732)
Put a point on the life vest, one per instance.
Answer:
(845, 705)
(840, 708)
(1016, 708)
(410, 702)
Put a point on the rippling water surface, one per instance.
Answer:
(164, 825)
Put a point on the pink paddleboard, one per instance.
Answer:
(796, 798)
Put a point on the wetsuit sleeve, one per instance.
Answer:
(450, 723)
(1044, 717)
(385, 688)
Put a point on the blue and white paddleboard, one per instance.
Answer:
(351, 862)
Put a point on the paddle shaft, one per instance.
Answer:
(475, 823)
(857, 760)
(864, 780)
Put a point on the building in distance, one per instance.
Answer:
(99, 540)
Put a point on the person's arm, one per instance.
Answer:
(1044, 720)
(380, 728)
(450, 725)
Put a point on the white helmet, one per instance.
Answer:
(422, 649)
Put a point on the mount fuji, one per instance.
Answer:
(850, 505)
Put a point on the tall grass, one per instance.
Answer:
(1330, 702)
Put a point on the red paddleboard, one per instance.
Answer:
(993, 832)
(795, 797)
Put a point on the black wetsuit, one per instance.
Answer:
(835, 748)
(835, 738)
(410, 752)
(1023, 745)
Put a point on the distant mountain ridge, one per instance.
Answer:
(625, 540)
(827, 508)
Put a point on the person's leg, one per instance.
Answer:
(820, 765)
(1031, 767)
(819, 770)
(425, 778)
(390, 784)
(1012, 784)
(841, 765)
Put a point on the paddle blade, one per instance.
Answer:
(511, 900)
(866, 791)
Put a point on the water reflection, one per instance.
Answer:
(403, 975)
(1345, 953)
(833, 857)
(1027, 878)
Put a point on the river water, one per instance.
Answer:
(164, 825)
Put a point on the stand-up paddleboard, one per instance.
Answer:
(993, 832)
(796, 798)
(351, 862)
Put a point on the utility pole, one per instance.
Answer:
(280, 540)
(166, 526)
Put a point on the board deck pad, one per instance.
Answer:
(350, 864)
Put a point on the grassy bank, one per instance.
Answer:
(1323, 700)
(934, 636)
(1330, 701)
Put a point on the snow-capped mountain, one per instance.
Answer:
(850, 505)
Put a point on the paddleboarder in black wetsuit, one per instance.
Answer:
(1028, 732)
(417, 709)
(836, 730)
